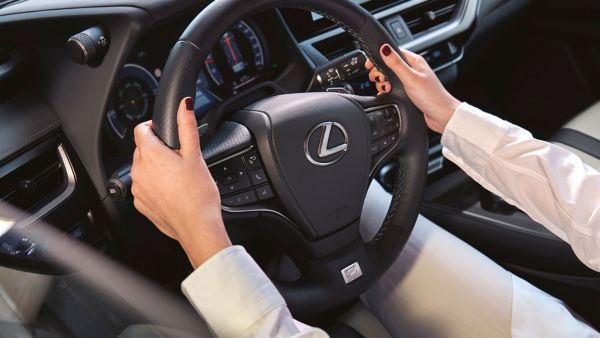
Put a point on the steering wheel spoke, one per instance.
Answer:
(238, 170)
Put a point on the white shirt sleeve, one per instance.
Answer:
(237, 299)
(552, 185)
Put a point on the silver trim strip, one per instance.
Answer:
(71, 181)
(240, 153)
(464, 18)
(241, 210)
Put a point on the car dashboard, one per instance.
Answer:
(258, 51)
(87, 113)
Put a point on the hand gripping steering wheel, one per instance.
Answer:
(316, 149)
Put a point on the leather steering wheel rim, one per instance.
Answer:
(321, 289)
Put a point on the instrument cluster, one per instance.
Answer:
(238, 61)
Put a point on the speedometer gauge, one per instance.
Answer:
(237, 60)
(132, 101)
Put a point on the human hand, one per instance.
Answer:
(421, 84)
(175, 190)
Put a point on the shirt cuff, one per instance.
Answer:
(472, 135)
(231, 292)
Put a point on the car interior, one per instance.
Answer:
(76, 77)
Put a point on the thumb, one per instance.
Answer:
(396, 63)
(188, 128)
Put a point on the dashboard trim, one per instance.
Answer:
(464, 18)
(70, 188)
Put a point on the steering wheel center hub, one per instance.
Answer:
(320, 161)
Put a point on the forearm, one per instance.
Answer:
(550, 184)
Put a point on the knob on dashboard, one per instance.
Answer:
(89, 46)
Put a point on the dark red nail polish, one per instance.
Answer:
(189, 103)
(387, 50)
(384, 88)
(377, 78)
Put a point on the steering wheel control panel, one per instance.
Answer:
(335, 74)
(242, 180)
(385, 129)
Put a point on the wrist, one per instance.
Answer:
(204, 241)
(452, 106)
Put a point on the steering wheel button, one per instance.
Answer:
(258, 177)
(242, 183)
(240, 199)
(374, 149)
(385, 143)
(252, 161)
(375, 134)
(390, 129)
(265, 193)
(229, 179)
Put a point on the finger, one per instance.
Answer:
(188, 128)
(369, 64)
(393, 60)
(383, 87)
(376, 76)
(144, 135)
(413, 59)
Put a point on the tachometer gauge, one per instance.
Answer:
(132, 100)
(237, 60)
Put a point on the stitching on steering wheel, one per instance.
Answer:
(395, 200)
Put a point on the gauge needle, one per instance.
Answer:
(228, 42)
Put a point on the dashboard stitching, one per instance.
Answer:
(29, 138)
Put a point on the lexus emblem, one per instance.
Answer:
(322, 153)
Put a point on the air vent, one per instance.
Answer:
(34, 183)
(336, 46)
(429, 15)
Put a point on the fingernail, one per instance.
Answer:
(377, 78)
(189, 103)
(387, 50)
(384, 88)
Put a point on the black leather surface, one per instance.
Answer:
(578, 140)
(23, 121)
(230, 138)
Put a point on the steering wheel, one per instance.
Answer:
(318, 151)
